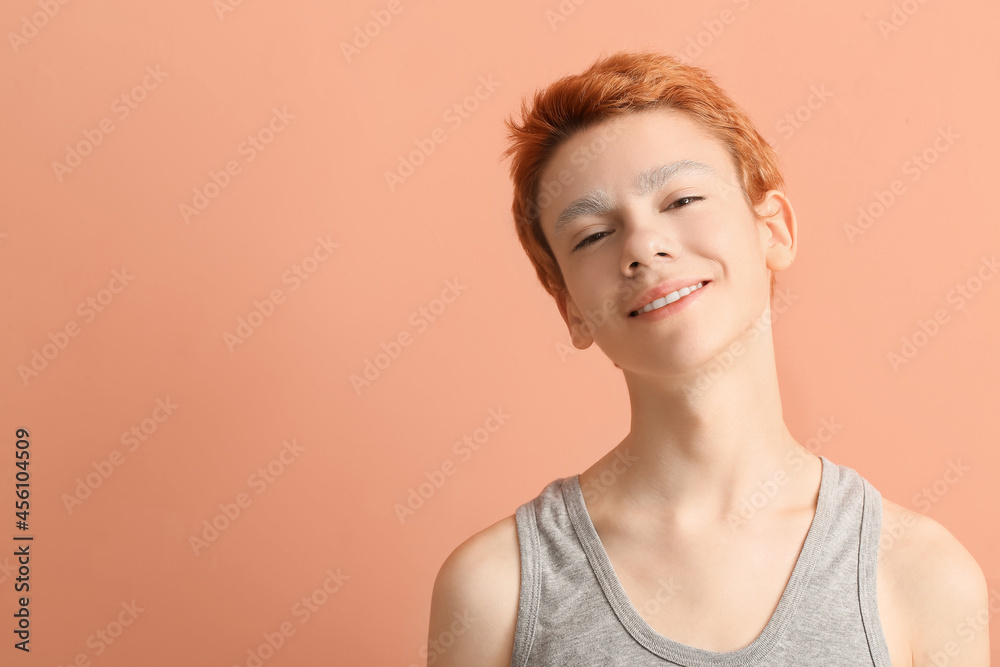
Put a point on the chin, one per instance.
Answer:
(684, 358)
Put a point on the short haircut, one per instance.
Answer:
(622, 83)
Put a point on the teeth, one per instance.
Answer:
(670, 298)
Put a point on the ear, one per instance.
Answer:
(579, 328)
(778, 231)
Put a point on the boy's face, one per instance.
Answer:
(694, 226)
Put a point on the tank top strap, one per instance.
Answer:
(871, 529)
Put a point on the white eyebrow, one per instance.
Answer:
(599, 202)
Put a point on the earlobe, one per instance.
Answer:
(579, 328)
(778, 230)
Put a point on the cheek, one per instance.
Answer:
(732, 236)
(712, 239)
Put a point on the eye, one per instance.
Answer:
(687, 200)
(590, 239)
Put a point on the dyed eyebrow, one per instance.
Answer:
(599, 202)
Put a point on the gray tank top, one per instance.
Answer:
(573, 610)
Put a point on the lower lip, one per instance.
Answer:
(672, 308)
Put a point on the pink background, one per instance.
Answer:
(497, 343)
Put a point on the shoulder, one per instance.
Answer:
(475, 600)
(936, 586)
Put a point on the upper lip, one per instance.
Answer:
(664, 289)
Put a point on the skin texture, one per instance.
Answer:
(671, 517)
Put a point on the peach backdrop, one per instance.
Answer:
(200, 249)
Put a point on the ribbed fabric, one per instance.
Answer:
(573, 610)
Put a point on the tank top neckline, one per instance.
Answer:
(685, 654)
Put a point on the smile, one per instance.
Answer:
(668, 299)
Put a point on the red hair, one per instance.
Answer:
(615, 85)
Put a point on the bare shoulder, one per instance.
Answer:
(937, 589)
(475, 600)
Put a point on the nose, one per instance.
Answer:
(646, 242)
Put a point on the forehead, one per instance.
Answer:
(610, 155)
(662, 127)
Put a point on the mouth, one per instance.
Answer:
(668, 299)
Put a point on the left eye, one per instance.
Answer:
(690, 198)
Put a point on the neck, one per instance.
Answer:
(701, 445)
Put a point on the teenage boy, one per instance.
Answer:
(654, 214)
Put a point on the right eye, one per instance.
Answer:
(590, 239)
